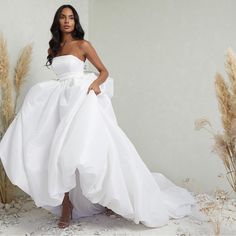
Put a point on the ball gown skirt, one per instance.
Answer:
(65, 140)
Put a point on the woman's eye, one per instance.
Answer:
(70, 18)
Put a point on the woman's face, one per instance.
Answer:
(66, 20)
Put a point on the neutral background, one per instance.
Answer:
(162, 55)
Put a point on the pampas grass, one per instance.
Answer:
(22, 69)
(8, 104)
(6, 86)
(224, 101)
(225, 143)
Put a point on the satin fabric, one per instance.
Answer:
(65, 140)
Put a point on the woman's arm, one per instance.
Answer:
(91, 54)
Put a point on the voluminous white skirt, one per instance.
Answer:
(63, 139)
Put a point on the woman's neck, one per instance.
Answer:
(67, 38)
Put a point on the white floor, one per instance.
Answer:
(22, 217)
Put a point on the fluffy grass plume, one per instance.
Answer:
(22, 69)
(225, 143)
(224, 101)
(6, 86)
(8, 105)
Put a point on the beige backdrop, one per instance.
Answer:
(163, 55)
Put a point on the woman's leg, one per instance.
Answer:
(66, 212)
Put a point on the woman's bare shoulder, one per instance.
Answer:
(84, 44)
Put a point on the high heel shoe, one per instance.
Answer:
(108, 211)
(64, 224)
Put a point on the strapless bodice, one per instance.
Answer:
(71, 70)
(67, 65)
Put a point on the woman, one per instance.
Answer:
(65, 148)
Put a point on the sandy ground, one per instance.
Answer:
(22, 217)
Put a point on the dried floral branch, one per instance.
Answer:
(215, 210)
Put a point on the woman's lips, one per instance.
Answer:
(66, 27)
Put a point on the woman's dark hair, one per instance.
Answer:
(55, 41)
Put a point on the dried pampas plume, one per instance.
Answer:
(8, 105)
(202, 123)
(6, 86)
(22, 69)
(225, 143)
(4, 62)
(221, 148)
(230, 65)
(224, 101)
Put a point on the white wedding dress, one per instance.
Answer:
(63, 139)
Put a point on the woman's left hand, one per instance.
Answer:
(95, 86)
